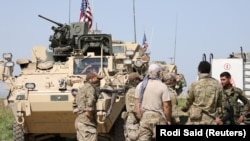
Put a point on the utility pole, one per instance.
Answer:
(134, 20)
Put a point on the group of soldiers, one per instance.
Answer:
(208, 102)
(152, 100)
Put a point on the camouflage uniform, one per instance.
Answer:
(170, 80)
(180, 83)
(174, 102)
(230, 98)
(85, 101)
(132, 122)
(206, 95)
(148, 124)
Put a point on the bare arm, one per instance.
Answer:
(137, 108)
(167, 107)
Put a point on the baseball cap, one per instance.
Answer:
(154, 68)
(92, 75)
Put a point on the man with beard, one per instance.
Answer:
(85, 100)
(231, 108)
(152, 104)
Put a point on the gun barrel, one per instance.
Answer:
(59, 24)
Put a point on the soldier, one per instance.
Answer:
(170, 80)
(85, 100)
(180, 83)
(132, 122)
(203, 98)
(231, 108)
(153, 104)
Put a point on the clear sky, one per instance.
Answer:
(198, 26)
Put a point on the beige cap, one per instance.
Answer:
(132, 76)
(154, 68)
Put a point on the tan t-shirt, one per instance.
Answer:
(154, 95)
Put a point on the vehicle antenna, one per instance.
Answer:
(175, 39)
(69, 9)
(134, 20)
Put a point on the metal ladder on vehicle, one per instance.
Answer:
(246, 74)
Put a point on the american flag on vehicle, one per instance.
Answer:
(85, 13)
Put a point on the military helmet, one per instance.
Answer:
(169, 76)
(132, 76)
(92, 75)
(169, 79)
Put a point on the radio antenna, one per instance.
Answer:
(69, 9)
(134, 20)
(175, 39)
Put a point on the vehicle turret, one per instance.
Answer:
(65, 38)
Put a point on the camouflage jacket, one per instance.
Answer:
(231, 97)
(86, 98)
(130, 99)
(206, 93)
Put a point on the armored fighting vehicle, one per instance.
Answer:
(41, 96)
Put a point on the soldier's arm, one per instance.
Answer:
(219, 102)
(245, 101)
(137, 108)
(167, 107)
(137, 102)
(219, 99)
(91, 101)
(189, 99)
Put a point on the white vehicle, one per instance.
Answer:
(238, 65)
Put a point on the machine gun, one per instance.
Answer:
(65, 36)
(59, 24)
(228, 118)
(60, 38)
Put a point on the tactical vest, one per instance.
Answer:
(130, 99)
(232, 100)
(86, 98)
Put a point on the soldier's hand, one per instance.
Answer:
(90, 115)
(240, 119)
(218, 121)
(169, 123)
(184, 109)
(138, 115)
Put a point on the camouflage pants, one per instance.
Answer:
(131, 127)
(85, 129)
(148, 124)
(205, 120)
